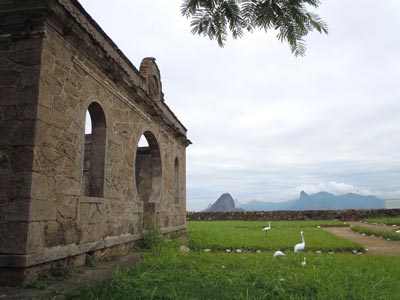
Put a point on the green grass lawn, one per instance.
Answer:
(167, 273)
(384, 220)
(248, 235)
(380, 233)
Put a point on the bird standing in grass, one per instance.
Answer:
(300, 247)
(267, 228)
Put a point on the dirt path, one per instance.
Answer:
(75, 280)
(374, 245)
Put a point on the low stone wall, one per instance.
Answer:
(344, 215)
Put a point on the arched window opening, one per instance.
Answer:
(176, 182)
(143, 143)
(95, 148)
(88, 123)
(148, 175)
(148, 168)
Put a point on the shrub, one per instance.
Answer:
(152, 240)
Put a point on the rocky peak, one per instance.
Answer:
(224, 203)
(303, 194)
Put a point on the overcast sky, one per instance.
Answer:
(264, 124)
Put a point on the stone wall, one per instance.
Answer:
(344, 215)
(20, 59)
(64, 193)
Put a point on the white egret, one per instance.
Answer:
(267, 228)
(303, 263)
(279, 253)
(300, 246)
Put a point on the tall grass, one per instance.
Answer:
(170, 274)
(201, 275)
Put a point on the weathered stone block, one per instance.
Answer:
(17, 133)
(49, 161)
(43, 209)
(67, 149)
(8, 188)
(43, 137)
(36, 237)
(16, 210)
(8, 95)
(68, 186)
(23, 182)
(28, 95)
(17, 112)
(114, 229)
(58, 103)
(91, 232)
(26, 57)
(5, 163)
(67, 211)
(11, 112)
(136, 219)
(73, 90)
(115, 152)
(21, 159)
(53, 118)
(53, 234)
(13, 237)
(30, 76)
(72, 103)
(28, 44)
(42, 186)
(90, 213)
(10, 78)
(123, 129)
(71, 236)
(66, 224)
(166, 221)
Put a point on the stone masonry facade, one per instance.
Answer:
(64, 193)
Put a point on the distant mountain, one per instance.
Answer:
(323, 200)
(265, 206)
(224, 203)
(319, 201)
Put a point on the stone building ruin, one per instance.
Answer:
(64, 194)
